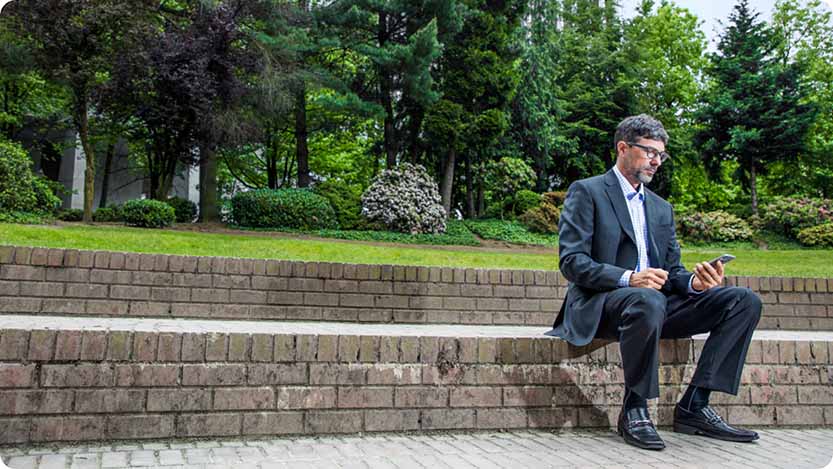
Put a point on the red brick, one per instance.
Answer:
(244, 399)
(13, 344)
(262, 347)
(365, 397)
(267, 374)
(67, 429)
(394, 374)
(193, 347)
(527, 396)
(14, 430)
(421, 397)
(131, 427)
(170, 347)
(118, 345)
(147, 375)
(799, 415)
(475, 396)
(563, 417)
(68, 345)
(129, 292)
(341, 374)
(284, 348)
(216, 347)
(144, 346)
(107, 307)
(818, 395)
(303, 397)
(86, 290)
(77, 376)
(109, 401)
(447, 419)
(20, 305)
(63, 306)
(391, 420)
(273, 423)
(193, 425)
(22, 272)
(744, 415)
(333, 422)
(213, 375)
(31, 401)
(42, 289)
(501, 418)
(14, 375)
(178, 400)
(41, 345)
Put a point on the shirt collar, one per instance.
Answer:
(627, 189)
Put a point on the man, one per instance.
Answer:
(619, 251)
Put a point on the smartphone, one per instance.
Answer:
(725, 259)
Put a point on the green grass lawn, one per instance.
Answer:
(750, 261)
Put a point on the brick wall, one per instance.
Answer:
(84, 385)
(58, 281)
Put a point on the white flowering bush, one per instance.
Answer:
(405, 199)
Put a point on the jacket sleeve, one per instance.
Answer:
(575, 243)
(678, 276)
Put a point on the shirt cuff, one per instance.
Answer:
(625, 279)
(691, 290)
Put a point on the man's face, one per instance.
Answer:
(640, 159)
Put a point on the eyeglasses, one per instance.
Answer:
(651, 153)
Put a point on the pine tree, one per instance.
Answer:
(755, 110)
(396, 42)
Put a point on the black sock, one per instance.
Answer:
(633, 400)
(695, 398)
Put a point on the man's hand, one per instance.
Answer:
(649, 278)
(707, 276)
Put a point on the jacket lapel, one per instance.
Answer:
(617, 199)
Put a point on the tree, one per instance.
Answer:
(755, 110)
(396, 42)
(666, 47)
(477, 76)
(73, 42)
(805, 30)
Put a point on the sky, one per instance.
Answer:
(710, 12)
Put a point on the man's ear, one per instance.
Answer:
(621, 147)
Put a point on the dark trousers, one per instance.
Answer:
(639, 317)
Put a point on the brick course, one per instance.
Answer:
(64, 281)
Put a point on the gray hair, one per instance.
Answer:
(643, 126)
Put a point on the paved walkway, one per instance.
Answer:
(793, 449)
(68, 323)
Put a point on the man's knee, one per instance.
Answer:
(648, 305)
(748, 301)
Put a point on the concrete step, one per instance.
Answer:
(113, 284)
(91, 379)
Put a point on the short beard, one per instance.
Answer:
(643, 177)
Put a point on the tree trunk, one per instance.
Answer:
(209, 212)
(386, 97)
(753, 189)
(448, 181)
(105, 178)
(481, 199)
(301, 148)
(470, 212)
(272, 163)
(82, 125)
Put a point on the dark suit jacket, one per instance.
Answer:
(596, 245)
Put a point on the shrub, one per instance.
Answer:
(716, 226)
(405, 199)
(346, 201)
(185, 210)
(20, 189)
(108, 214)
(70, 214)
(509, 176)
(544, 218)
(509, 231)
(526, 200)
(556, 198)
(789, 215)
(148, 213)
(283, 208)
(819, 235)
(22, 217)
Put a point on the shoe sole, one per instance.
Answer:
(690, 430)
(638, 444)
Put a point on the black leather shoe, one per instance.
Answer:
(636, 428)
(706, 422)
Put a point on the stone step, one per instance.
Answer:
(113, 284)
(91, 379)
